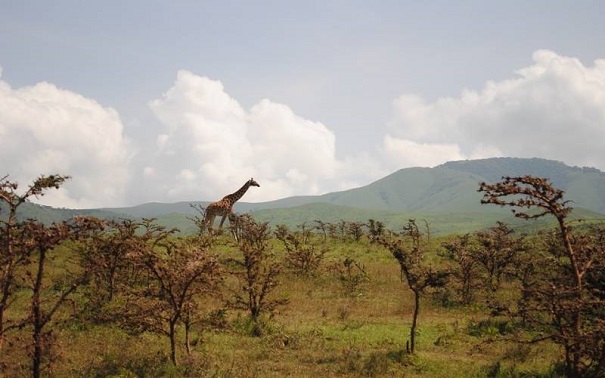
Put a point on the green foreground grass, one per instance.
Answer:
(322, 331)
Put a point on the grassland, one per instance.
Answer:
(324, 330)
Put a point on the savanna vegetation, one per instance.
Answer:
(95, 298)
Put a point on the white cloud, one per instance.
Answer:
(208, 145)
(406, 153)
(47, 130)
(553, 109)
(220, 145)
(208, 134)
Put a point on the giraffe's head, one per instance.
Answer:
(251, 182)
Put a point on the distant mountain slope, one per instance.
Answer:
(450, 187)
(583, 185)
(414, 189)
(453, 186)
(47, 214)
(446, 194)
(560, 175)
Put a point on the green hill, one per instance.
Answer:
(453, 186)
(446, 196)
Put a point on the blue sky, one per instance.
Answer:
(176, 101)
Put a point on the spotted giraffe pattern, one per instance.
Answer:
(224, 207)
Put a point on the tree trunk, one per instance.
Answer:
(7, 276)
(414, 320)
(188, 339)
(573, 355)
(37, 355)
(1, 326)
(37, 317)
(172, 334)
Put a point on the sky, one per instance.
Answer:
(166, 101)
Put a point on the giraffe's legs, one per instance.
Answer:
(209, 223)
(220, 226)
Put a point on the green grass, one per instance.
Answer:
(321, 332)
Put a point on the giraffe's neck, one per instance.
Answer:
(234, 197)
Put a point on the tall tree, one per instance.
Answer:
(409, 253)
(181, 274)
(467, 275)
(146, 280)
(15, 247)
(49, 293)
(258, 273)
(562, 293)
(27, 248)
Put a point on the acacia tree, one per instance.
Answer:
(302, 254)
(483, 259)
(562, 293)
(106, 256)
(376, 230)
(146, 280)
(258, 273)
(497, 251)
(48, 294)
(323, 227)
(356, 230)
(352, 276)
(419, 277)
(342, 227)
(180, 275)
(467, 275)
(27, 248)
(15, 248)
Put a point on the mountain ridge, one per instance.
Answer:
(449, 186)
(444, 194)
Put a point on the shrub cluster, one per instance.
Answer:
(145, 279)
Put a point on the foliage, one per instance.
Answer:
(181, 275)
(15, 242)
(467, 275)
(25, 250)
(418, 276)
(302, 254)
(482, 260)
(352, 277)
(145, 281)
(559, 291)
(257, 274)
(127, 297)
(376, 229)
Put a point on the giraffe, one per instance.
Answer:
(224, 207)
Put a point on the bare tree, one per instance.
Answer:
(562, 291)
(376, 229)
(467, 274)
(323, 227)
(355, 229)
(419, 277)
(180, 275)
(15, 247)
(26, 249)
(45, 303)
(146, 280)
(302, 254)
(258, 273)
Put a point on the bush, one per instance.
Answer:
(490, 327)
